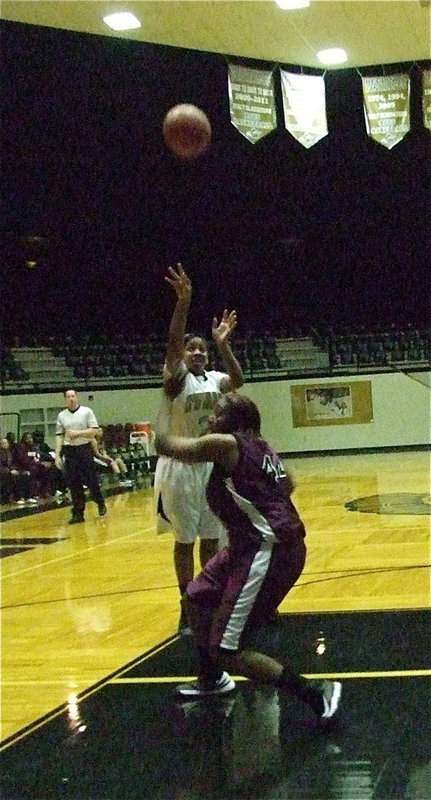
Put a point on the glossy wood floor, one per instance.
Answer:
(87, 599)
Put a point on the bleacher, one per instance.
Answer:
(139, 363)
(302, 355)
(42, 367)
(390, 349)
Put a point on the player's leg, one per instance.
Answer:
(247, 588)
(284, 568)
(90, 477)
(72, 470)
(207, 550)
(200, 603)
(180, 498)
(210, 528)
(115, 467)
(184, 570)
(171, 516)
(322, 696)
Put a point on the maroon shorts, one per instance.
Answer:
(245, 587)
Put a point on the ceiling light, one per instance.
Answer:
(123, 21)
(333, 55)
(288, 5)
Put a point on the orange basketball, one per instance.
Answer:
(186, 131)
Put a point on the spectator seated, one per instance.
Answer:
(14, 485)
(273, 361)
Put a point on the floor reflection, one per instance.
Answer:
(132, 739)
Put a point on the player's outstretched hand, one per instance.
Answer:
(179, 279)
(221, 331)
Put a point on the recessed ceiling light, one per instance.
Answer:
(123, 21)
(333, 55)
(288, 5)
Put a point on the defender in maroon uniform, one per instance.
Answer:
(241, 587)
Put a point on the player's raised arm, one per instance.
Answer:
(221, 332)
(180, 281)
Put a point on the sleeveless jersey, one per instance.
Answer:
(187, 414)
(254, 502)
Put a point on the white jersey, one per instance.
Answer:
(180, 489)
(187, 414)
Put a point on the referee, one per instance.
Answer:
(76, 428)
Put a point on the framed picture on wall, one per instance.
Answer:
(332, 404)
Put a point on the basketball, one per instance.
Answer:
(186, 131)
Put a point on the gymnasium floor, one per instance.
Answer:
(91, 659)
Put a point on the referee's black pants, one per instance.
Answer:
(80, 470)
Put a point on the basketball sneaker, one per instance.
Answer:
(331, 695)
(323, 697)
(221, 708)
(204, 688)
(76, 519)
(184, 628)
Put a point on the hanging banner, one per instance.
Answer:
(426, 97)
(304, 104)
(252, 102)
(387, 108)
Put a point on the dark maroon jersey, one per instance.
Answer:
(254, 502)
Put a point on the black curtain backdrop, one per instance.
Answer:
(338, 234)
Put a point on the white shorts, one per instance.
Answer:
(181, 504)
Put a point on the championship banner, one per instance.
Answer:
(387, 108)
(252, 101)
(426, 97)
(304, 103)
